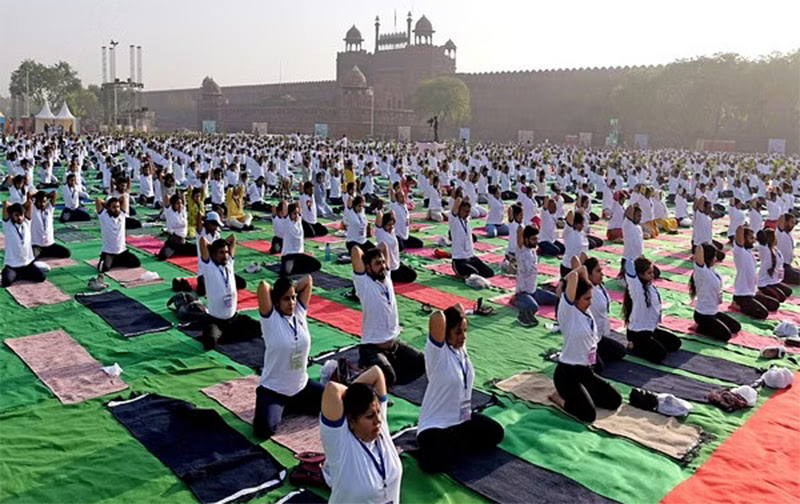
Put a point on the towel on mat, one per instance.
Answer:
(653, 430)
(127, 316)
(260, 245)
(33, 294)
(147, 243)
(212, 458)
(65, 366)
(320, 278)
(70, 235)
(127, 277)
(656, 380)
(57, 262)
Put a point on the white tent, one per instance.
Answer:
(45, 113)
(64, 113)
(44, 117)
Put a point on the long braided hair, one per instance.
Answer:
(641, 265)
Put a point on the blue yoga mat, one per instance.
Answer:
(127, 316)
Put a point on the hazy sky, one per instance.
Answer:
(250, 41)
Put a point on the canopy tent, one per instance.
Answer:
(65, 118)
(44, 117)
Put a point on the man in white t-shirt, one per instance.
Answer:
(465, 262)
(19, 257)
(380, 346)
(42, 239)
(177, 227)
(114, 254)
(786, 223)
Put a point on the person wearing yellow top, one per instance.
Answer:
(195, 209)
(349, 174)
(237, 219)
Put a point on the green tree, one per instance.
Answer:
(53, 83)
(444, 97)
(85, 103)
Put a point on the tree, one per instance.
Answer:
(444, 97)
(85, 103)
(53, 83)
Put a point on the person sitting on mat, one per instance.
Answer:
(284, 386)
(308, 211)
(737, 218)
(705, 284)
(236, 218)
(448, 429)
(361, 461)
(515, 216)
(583, 206)
(494, 222)
(19, 259)
(72, 212)
(746, 297)
(614, 233)
(195, 210)
(209, 228)
(223, 323)
(293, 259)
(177, 227)
(388, 242)
(702, 228)
(575, 242)
(578, 389)
(435, 204)
(528, 296)
(786, 223)
(42, 239)
(465, 263)
(255, 195)
(548, 244)
(114, 253)
(380, 346)
(770, 271)
(633, 241)
(641, 309)
(608, 349)
(358, 228)
(402, 221)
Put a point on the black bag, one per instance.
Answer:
(188, 306)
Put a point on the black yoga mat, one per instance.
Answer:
(320, 278)
(214, 460)
(412, 392)
(504, 478)
(249, 353)
(712, 367)
(656, 380)
(126, 315)
(68, 235)
(302, 497)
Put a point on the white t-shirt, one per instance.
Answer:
(764, 278)
(756, 220)
(786, 246)
(210, 239)
(702, 230)
(113, 231)
(287, 342)
(400, 220)
(746, 274)
(390, 239)
(462, 237)
(708, 285)
(574, 243)
(617, 216)
(378, 307)
(176, 221)
(220, 289)
(642, 317)
(599, 308)
(527, 270)
(351, 472)
(495, 211)
(292, 234)
(448, 397)
(19, 251)
(42, 226)
(356, 226)
(580, 334)
(71, 196)
(308, 214)
(512, 237)
(633, 241)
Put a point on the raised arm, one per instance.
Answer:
(124, 203)
(204, 248)
(53, 197)
(570, 218)
(264, 298)
(379, 219)
(699, 256)
(356, 258)
(5, 210)
(332, 406)
(740, 236)
(520, 239)
(303, 290)
(572, 282)
(437, 326)
(231, 244)
(99, 205)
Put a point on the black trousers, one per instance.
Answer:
(131, 223)
(313, 230)
(176, 246)
(594, 242)
(270, 406)
(261, 206)
(757, 306)
(583, 391)
(791, 275)
(277, 245)
(77, 215)
(364, 246)
(241, 283)
(609, 350)
(298, 264)
(54, 250)
(404, 274)
(472, 266)
(410, 242)
(777, 291)
(653, 345)
(508, 195)
(400, 363)
(720, 326)
(438, 448)
(237, 328)
(125, 259)
(29, 272)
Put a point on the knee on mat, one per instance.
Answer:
(587, 415)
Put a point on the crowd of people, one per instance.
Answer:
(545, 199)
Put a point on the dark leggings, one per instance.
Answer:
(653, 345)
(791, 275)
(241, 283)
(277, 245)
(411, 242)
(54, 250)
(176, 246)
(131, 223)
(77, 215)
(472, 266)
(298, 264)
(438, 448)
(403, 274)
(720, 326)
(260, 206)
(270, 406)
(777, 291)
(583, 391)
(555, 248)
(363, 246)
(124, 259)
(757, 306)
(237, 328)
(400, 363)
(608, 350)
(508, 195)
(594, 242)
(30, 273)
(312, 230)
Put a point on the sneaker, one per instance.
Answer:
(526, 318)
(97, 284)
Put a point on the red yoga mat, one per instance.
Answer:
(336, 314)
(549, 269)
(491, 258)
(757, 463)
(779, 316)
(742, 338)
(485, 247)
(145, 242)
(431, 296)
(185, 262)
(246, 300)
(503, 281)
(326, 239)
(260, 245)
(421, 252)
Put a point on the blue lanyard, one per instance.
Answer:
(384, 291)
(464, 225)
(225, 275)
(292, 327)
(463, 364)
(380, 467)
(21, 232)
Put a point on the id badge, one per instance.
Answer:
(228, 300)
(465, 409)
(296, 360)
(592, 356)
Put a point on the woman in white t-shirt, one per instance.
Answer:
(448, 429)
(608, 348)
(284, 386)
(402, 221)
(177, 227)
(389, 243)
(494, 221)
(705, 286)
(746, 296)
(575, 242)
(361, 462)
(641, 309)
(578, 389)
(770, 271)
(308, 211)
(288, 226)
(434, 200)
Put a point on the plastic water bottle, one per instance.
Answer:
(327, 251)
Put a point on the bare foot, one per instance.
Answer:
(556, 399)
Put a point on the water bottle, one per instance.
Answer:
(327, 251)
